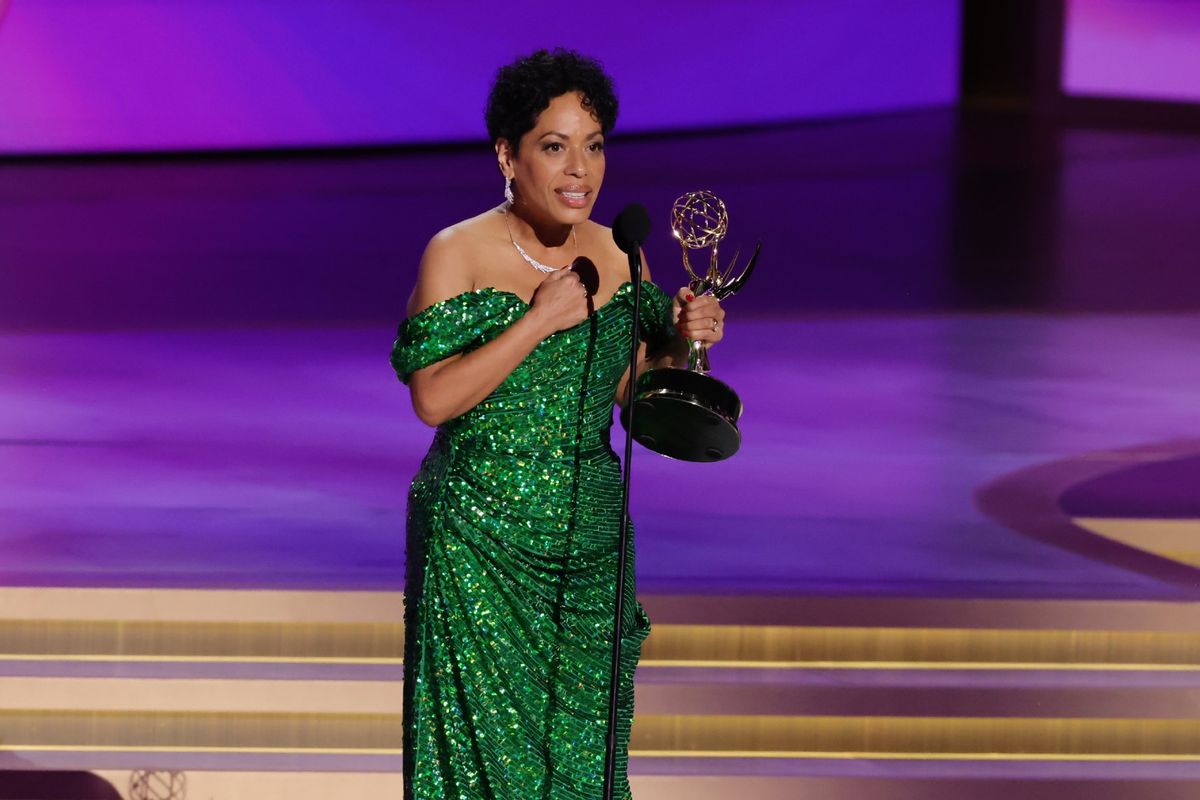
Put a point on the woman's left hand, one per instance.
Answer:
(699, 318)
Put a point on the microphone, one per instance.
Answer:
(589, 276)
(631, 227)
(629, 231)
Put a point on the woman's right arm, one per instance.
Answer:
(455, 385)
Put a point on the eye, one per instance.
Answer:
(552, 147)
(596, 147)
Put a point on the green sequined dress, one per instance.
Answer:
(511, 561)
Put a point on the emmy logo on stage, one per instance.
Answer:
(686, 413)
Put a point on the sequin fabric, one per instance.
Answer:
(511, 549)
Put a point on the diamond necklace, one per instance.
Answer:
(533, 262)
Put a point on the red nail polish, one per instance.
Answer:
(690, 298)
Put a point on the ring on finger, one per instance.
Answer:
(715, 325)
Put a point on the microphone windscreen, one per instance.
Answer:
(589, 276)
(631, 227)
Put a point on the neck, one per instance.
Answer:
(548, 234)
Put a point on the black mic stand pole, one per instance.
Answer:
(610, 751)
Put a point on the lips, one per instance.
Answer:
(574, 196)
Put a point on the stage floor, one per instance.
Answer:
(1001, 456)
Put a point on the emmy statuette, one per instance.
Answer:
(686, 413)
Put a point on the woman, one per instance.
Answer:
(514, 515)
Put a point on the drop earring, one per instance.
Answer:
(508, 193)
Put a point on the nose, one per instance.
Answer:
(576, 167)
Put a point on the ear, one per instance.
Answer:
(504, 158)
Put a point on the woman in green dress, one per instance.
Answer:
(513, 518)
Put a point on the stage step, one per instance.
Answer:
(288, 634)
(667, 786)
(264, 685)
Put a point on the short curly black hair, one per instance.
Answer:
(524, 89)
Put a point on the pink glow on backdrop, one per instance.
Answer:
(1147, 49)
(103, 75)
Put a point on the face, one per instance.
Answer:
(560, 164)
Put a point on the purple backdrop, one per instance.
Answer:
(102, 75)
(1133, 48)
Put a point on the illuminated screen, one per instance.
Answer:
(102, 75)
(1143, 49)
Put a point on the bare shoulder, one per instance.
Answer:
(449, 262)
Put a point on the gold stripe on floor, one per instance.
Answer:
(198, 730)
(201, 641)
(659, 735)
(923, 737)
(668, 645)
(782, 646)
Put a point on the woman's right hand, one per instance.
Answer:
(560, 302)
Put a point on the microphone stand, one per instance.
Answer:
(610, 751)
